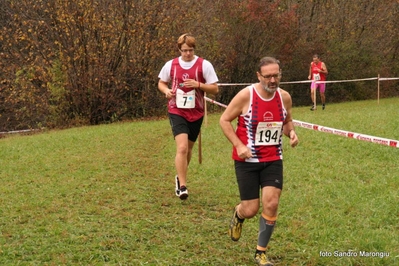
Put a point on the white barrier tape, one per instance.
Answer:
(342, 133)
(347, 80)
(353, 135)
(234, 84)
(389, 78)
(247, 84)
(309, 81)
(18, 131)
(295, 82)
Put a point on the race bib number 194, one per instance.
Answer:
(268, 133)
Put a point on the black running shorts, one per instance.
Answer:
(251, 177)
(180, 125)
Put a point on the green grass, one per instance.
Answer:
(103, 195)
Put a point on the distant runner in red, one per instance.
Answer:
(317, 72)
(189, 77)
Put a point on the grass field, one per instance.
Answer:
(104, 195)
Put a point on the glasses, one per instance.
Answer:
(187, 50)
(269, 77)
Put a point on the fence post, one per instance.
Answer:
(205, 110)
(378, 89)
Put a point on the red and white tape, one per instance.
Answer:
(348, 134)
(339, 132)
(215, 102)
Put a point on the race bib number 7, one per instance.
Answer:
(185, 99)
(268, 133)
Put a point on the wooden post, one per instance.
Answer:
(315, 94)
(199, 148)
(205, 111)
(378, 89)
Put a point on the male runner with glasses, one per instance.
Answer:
(189, 77)
(263, 113)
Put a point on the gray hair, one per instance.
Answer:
(267, 60)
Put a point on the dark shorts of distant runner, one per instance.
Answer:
(180, 125)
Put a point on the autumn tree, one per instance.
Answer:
(254, 29)
(356, 39)
(67, 63)
(86, 62)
